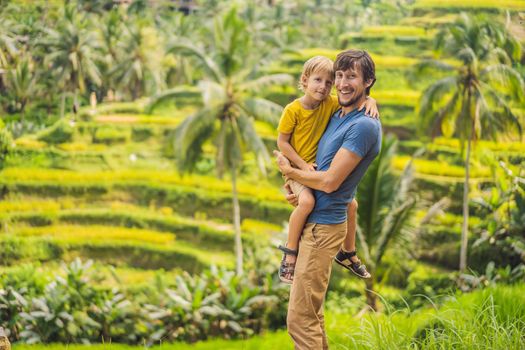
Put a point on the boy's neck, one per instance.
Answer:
(309, 103)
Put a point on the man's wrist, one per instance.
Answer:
(288, 171)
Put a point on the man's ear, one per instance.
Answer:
(369, 83)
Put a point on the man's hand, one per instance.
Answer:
(309, 167)
(290, 196)
(283, 163)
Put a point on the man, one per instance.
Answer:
(349, 144)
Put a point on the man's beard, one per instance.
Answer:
(350, 102)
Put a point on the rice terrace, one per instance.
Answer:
(181, 174)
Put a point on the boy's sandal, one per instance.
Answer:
(345, 260)
(286, 268)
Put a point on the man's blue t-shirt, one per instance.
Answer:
(358, 134)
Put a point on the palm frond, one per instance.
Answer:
(172, 94)
(186, 48)
(506, 76)
(375, 191)
(257, 85)
(432, 94)
(212, 93)
(395, 224)
(253, 141)
(263, 110)
(445, 119)
(425, 66)
(502, 120)
(190, 135)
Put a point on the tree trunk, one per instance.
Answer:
(62, 104)
(236, 223)
(371, 296)
(464, 228)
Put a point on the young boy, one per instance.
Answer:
(301, 126)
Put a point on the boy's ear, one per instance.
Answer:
(304, 80)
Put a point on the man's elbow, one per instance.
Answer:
(330, 185)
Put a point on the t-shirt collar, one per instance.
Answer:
(350, 114)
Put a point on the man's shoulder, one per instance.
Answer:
(364, 123)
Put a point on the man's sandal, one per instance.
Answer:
(286, 268)
(345, 260)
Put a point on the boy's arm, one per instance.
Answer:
(283, 142)
(370, 106)
(327, 181)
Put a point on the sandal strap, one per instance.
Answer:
(288, 250)
(349, 254)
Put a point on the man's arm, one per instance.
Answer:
(327, 181)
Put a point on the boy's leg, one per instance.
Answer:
(347, 257)
(305, 205)
(306, 202)
(349, 243)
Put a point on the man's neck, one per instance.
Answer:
(350, 108)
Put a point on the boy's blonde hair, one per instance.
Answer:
(314, 65)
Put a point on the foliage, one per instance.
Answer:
(6, 145)
(386, 208)
(71, 309)
(60, 132)
(503, 206)
(471, 103)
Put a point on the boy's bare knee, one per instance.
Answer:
(307, 201)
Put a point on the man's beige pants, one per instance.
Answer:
(318, 246)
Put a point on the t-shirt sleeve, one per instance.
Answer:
(361, 137)
(288, 121)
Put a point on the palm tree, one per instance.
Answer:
(474, 100)
(229, 106)
(386, 208)
(21, 85)
(72, 53)
(140, 58)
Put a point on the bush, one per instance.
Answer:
(110, 135)
(6, 145)
(426, 282)
(60, 132)
(141, 133)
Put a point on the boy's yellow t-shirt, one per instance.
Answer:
(307, 126)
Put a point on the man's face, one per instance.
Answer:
(350, 86)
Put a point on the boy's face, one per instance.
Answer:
(350, 86)
(318, 85)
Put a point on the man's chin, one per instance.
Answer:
(347, 103)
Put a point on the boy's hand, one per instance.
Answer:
(290, 196)
(283, 163)
(370, 106)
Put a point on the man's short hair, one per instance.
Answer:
(316, 64)
(350, 59)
